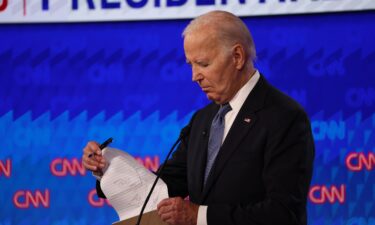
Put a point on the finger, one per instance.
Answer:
(91, 164)
(166, 217)
(91, 161)
(89, 167)
(165, 209)
(178, 201)
(166, 213)
(100, 160)
(172, 205)
(97, 161)
(101, 165)
(91, 148)
(95, 147)
(164, 202)
(172, 221)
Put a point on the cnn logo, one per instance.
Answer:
(359, 161)
(24, 199)
(151, 163)
(320, 194)
(94, 201)
(6, 168)
(62, 167)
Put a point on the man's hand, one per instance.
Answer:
(176, 211)
(96, 162)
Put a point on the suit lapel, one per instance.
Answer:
(244, 121)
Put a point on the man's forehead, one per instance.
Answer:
(203, 37)
(200, 53)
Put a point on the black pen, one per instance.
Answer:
(103, 145)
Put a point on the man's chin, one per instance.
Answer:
(212, 98)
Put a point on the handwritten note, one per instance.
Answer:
(126, 184)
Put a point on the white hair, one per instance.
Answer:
(228, 28)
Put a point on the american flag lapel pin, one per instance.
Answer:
(247, 120)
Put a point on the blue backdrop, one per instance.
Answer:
(62, 85)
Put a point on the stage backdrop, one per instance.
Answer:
(64, 84)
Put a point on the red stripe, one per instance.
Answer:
(24, 7)
(3, 5)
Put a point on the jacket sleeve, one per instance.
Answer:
(99, 191)
(175, 171)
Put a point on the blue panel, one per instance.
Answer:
(64, 84)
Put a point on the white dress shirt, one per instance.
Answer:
(236, 104)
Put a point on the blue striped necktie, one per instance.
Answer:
(216, 138)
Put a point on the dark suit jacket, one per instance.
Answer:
(263, 170)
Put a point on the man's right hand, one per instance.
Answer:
(96, 162)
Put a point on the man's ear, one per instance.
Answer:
(239, 56)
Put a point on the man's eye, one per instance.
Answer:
(203, 64)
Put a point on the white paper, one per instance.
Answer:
(126, 184)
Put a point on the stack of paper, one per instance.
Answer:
(126, 183)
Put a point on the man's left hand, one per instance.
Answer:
(176, 211)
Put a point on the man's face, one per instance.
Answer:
(213, 66)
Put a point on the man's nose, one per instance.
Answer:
(196, 75)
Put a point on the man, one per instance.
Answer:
(247, 157)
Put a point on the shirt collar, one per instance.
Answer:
(240, 97)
